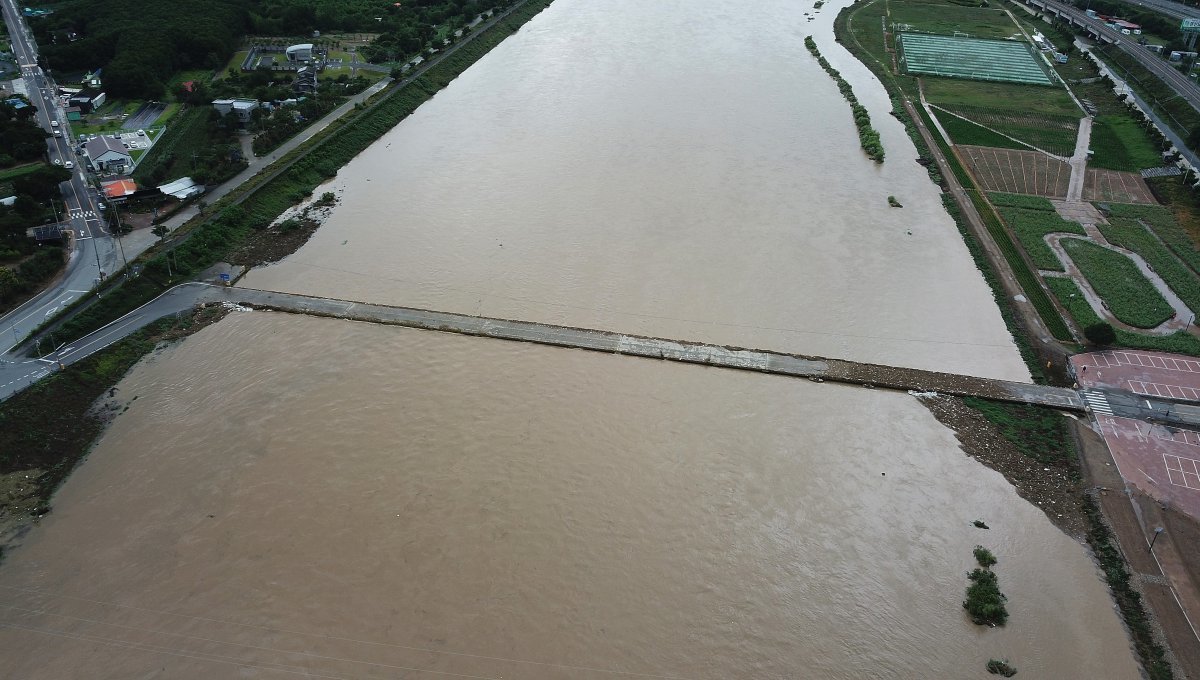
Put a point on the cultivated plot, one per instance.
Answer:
(1017, 172)
(1115, 186)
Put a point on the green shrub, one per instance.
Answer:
(984, 557)
(1000, 667)
(1100, 333)
(868, 137)
(985, 602)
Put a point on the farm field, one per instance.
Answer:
(1120, 143)
(1030, 99)
(1072, 300)
(1116, 279)
(1049, 132)
(1017, 172)
(1164, 225)
(1031, 227)
(947, 19)
(1128, 233)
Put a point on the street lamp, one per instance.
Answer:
(1157, 531)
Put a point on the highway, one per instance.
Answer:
(1171, 9)
(1187, 89)
(94, 252)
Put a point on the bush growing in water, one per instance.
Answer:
(999, 667)
(868, 136)
(985, 602)
(984, 557)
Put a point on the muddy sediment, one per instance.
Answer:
(38, 452)
(1054, 489)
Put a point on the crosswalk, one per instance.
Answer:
(1097, 402)
(77, 213)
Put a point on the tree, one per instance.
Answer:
(160, 231)
(1100, 333)
(42, 183)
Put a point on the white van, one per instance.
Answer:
(54, 123)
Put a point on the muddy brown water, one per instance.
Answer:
(352, 500)
(291, 496)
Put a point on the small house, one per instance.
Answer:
(88, 100)
(107, 155)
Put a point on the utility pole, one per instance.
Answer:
(117, 214)
(1157, 532)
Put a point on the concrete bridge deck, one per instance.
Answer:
(762, 361)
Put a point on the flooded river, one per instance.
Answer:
(684, 170)
(298, 496)
(353, 500)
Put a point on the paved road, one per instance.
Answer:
(1172, 9)
(93, 250)
(1187, 89)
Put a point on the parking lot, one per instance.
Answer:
(144, 117)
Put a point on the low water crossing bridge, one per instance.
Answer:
(763, 361)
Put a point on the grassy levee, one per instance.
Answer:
(255, 206)
(1131, 235)
(1030, 282)
(1039, 433)
(1031, 228)
(1116, 279)
(1180, 342)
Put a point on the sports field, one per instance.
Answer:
(972, 58)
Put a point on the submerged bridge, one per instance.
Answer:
(817, 369)
(16, 375)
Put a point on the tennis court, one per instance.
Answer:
(972, 58)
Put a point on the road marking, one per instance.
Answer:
(1164, 390)
(1098, 402)
(1182, 471)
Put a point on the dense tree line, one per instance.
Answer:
(140, 43)
(21, 140)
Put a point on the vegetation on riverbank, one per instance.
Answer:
(36, 451)
(868, 137)
(255, 206)
(1129, 601)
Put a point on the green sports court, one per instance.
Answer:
(972, 58)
